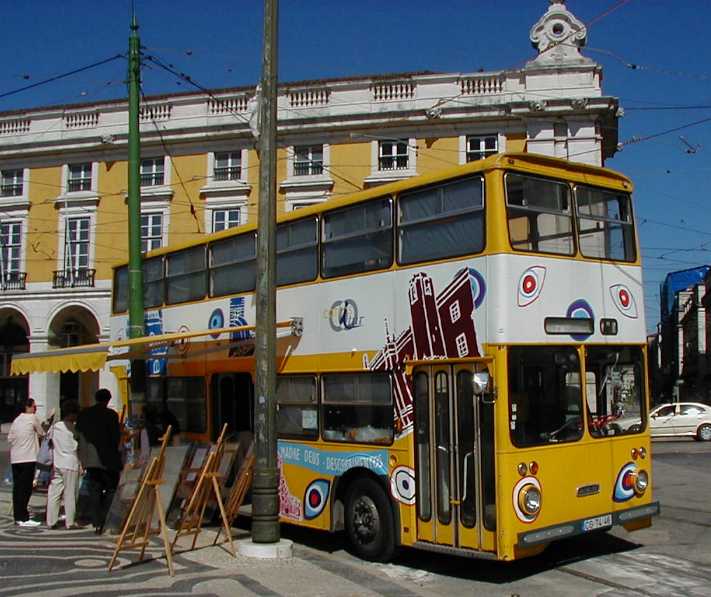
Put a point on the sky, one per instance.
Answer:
(655, 55)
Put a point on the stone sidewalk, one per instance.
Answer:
(61, 562)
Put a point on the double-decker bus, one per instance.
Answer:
(456, 356)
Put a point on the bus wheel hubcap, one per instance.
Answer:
(366, 522)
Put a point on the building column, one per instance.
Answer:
(43, 387)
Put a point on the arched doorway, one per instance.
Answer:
(13, 339)
(74, 326)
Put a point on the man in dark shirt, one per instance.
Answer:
(99, 434)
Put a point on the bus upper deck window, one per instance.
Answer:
(539, 214)
(605, 228)
(445, 220)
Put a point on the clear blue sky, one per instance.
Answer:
(218, 43)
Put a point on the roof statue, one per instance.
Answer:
(559, 35)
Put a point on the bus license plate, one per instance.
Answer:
(598, 522)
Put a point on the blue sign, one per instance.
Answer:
(329, 462)
(157, 364)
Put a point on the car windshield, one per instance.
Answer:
(614, 390)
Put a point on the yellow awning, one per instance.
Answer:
(93, 357)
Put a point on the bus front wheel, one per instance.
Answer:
(369, 521)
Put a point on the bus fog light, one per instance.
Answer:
(529, 500)
(522, 469)
(641, 482)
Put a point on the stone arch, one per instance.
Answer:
(74, 325)
(14, 339)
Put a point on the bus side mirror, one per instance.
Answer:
(481, 383)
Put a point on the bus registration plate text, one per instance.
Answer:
(599, 522)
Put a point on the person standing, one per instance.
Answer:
(99, 434)
(65, 473)
(24, 444)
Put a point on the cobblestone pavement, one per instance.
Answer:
(673, 557)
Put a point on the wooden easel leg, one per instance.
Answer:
(223, 515)
(164, 533)
(148, 521)
(127, 525)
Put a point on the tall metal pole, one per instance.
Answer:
(135, 269)
(265, 498)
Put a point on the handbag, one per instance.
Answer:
(45, 456)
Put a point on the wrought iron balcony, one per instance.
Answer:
(74, 278)
(13, 280)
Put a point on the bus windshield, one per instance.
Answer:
(546, 396)
(614, 390)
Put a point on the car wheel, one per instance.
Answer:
(369, 521)
(703, 433)
(635, 428)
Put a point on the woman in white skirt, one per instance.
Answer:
(66, 470)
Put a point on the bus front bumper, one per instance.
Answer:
(587, 525)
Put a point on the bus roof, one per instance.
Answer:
(521, 161)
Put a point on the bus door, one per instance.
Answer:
(232, 403)
(454, 457)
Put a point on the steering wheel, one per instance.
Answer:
(570, 423)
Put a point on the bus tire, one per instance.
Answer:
(370, 524)
(703, 433)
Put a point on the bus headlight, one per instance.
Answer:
(530, 500)
(641, 482)
(527, 499)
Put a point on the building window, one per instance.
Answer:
(308, 160)
(481, 146)
(228, 166)
(12, 181)
(151, 231)
(393, 155)
(152, 172)
(11, 255)
(225, 218)
(79, 177)
(76, 244)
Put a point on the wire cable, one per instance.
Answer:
(62, 76)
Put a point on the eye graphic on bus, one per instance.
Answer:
(530, 285)
(624, 300)
(402, 484)
(624, 486)
(216, 321)
(315, 498)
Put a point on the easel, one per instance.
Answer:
(138, 526)
(207, 486)
(239, 490)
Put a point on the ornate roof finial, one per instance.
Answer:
(558, 35)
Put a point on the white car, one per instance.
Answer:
(681, 418)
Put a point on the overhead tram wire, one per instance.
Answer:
(188, 79)
(193, 212)
(61, 76)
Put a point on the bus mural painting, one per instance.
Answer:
(442, 326)
(343, 316)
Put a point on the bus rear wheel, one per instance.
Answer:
(369, 521)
